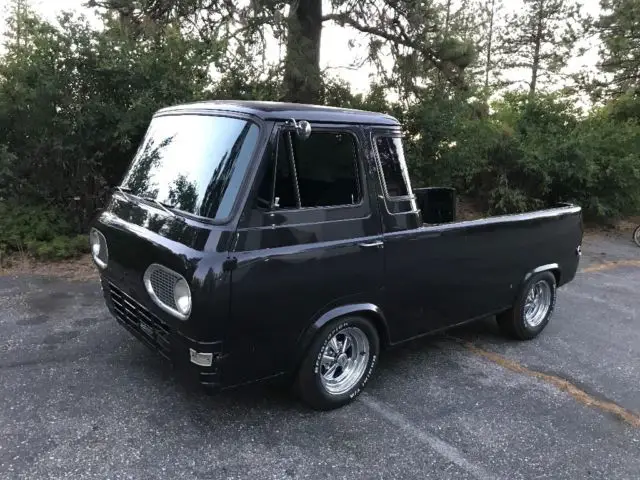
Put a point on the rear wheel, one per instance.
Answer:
(636, 235)
(533, 308)
(338, 364)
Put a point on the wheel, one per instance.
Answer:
(338, 364)
(533, 308)
(636, 235)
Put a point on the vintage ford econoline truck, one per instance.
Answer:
(255, 240)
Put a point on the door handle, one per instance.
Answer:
(376, 244)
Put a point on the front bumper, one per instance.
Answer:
(163, 337)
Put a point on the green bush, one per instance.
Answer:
(75, 102)
(529, 154)
(42, 232)
(60, 248)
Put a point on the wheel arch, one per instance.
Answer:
(369, 311)
(554, 268)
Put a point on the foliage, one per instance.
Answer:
(407, 31)
(539, 39)
(620, 50)
(38, 231)
(605, 172)
(529, 154)
(75, 100)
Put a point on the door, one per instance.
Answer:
(309, 241)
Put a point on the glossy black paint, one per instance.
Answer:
(280, 111)
(263, 283)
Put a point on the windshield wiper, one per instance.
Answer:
(124, 191)
(159, 204)
(127, 193)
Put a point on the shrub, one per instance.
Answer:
(42, 232)
(530, 154)
(60, 248)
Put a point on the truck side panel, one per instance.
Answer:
(438, 276)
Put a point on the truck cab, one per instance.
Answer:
(261, 240)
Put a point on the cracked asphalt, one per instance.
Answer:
(83, 399)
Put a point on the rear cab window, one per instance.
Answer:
(393, 173)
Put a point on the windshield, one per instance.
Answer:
(194, 163)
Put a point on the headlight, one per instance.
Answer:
(169, 290)
(95, 243)
(182, 296)
(98, 246)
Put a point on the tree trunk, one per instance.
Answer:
(302, 80)
(535, 65)
(447, 19)
(489, 45)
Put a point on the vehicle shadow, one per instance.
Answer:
(278, 398)
(271, 396)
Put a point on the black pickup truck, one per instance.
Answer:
(255, 240)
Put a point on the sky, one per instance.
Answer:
(335, 53)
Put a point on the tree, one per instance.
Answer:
(422, 44)
(302, 79)
(539, 40)
(410, 31)
(474, 22)
(491, 11)
(620, 40)
(75, 102)
(19, 13)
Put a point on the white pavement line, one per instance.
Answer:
(445, 449)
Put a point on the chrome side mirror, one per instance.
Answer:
(302, 128)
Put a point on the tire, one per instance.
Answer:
(528, 317)
(636, 235)
(324, 390)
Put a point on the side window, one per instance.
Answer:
(285, 192)
(278, 192)
(326, 172)
(394, 168)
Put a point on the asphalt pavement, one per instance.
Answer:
(83, 399)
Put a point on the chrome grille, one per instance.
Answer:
(162, 283)
(134, 316)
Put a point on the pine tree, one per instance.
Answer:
(476, 23)
(19, 12)
(538, 41)
(412, 33)
(491, 11)
(618, 27)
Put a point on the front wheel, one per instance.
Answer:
(636, 235)
(533, 308)
(338, 364)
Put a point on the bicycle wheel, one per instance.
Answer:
(636, 235)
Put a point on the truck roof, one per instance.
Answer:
(286, 111)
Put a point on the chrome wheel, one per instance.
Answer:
(344, 360)
(537, 303)
(636, 235)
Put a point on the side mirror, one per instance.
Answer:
(302, 128)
